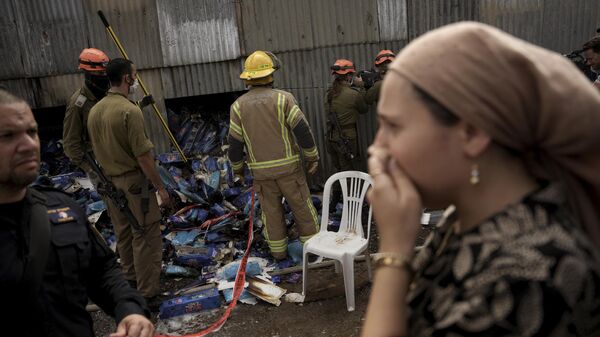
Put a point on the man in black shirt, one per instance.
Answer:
(51, 261)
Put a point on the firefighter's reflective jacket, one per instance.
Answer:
(263, 120)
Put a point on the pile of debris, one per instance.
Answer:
(206, 232)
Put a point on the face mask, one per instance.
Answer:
(99, 85)
(134, 87)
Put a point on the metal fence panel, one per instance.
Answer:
(21, 87)
(55, 91)
(10, 45)
(425, 15)
(153, 81)
(197, 31)
(521, 18)
(569, 24)
(135, 22)
(285, 25)
(51, 33)
(393, 21)
(276, 25)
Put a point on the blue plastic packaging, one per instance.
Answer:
(295, 249)
(217, 210)
(185, 237)
(174, 271)
(230, 270)
(191, 303)
(211, 164)
(197, 260)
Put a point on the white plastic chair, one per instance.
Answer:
(350, 240)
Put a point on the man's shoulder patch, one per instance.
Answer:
(80, 101)
(61, 214)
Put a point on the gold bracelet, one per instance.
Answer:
(394, 260)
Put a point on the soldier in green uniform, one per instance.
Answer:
(75, 137)
(344, 101)
(382, 60)
(122, 148)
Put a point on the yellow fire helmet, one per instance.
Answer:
(259, 64)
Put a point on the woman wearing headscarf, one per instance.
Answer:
(509, 135)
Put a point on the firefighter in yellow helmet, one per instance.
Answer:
(263, 121)
(76, 142)
(344, 101)
(382, 60)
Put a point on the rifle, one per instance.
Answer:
(369, 77)
(343, 142)
(107, 189)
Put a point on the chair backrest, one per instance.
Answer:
(354, 185)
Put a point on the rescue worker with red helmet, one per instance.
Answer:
(382, 60)
(344, 101)
(263, 121)
(76, 142)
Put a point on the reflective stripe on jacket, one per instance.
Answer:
(263, 120)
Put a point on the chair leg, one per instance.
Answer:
(304, 271)
(348, 266)
(368, 258)
(338, 267)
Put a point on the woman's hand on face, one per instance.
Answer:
(396, 203)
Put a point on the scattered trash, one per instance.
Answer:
(294, 298)
(191, 303)
(174, 270)
(245, 296)
(294, 278)
(265, 290)
(207, 230)
(229, 271)
(295, 249)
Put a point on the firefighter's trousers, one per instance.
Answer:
(295, 190)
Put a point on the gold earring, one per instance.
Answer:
(474, 174)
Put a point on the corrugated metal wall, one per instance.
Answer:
(135, 22)
(49, 33)
(522, 18)
(568, 24)
(10, 48)
(424, 15)
(285, 25)
(196, 47)
(393, 20)
(193, 31)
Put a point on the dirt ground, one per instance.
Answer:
(323, 313)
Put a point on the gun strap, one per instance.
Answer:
(336, 121)
(145, 202)
(343, 140)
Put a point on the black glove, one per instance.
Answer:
(147, 100)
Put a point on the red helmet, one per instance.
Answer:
(384, 55)
(342, 67)
(92, 59)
